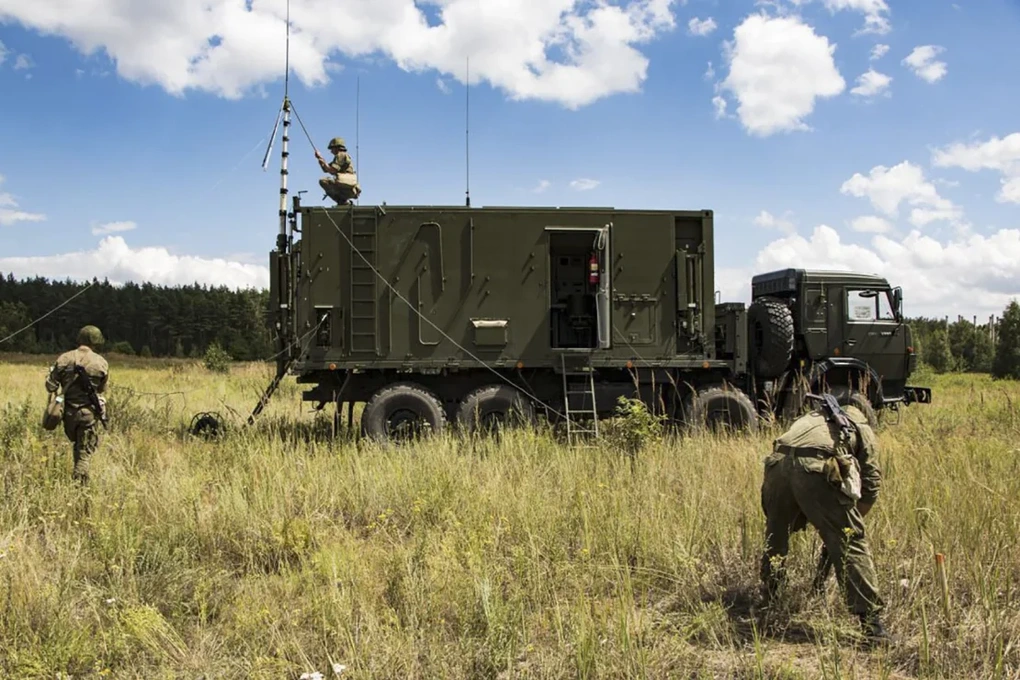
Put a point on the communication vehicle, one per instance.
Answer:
(451, 316)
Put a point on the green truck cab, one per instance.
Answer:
(836, 331)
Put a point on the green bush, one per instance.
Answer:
(217, 359)
(122, 347)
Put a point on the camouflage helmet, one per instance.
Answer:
(336, 142)
(90, 336)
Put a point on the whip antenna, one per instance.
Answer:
(357, 129)
(467, 127)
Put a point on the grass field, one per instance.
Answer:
(278, 552)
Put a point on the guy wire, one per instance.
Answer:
(18, 332)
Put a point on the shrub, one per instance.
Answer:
(217, 359)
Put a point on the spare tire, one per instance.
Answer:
(770, 337)
(402, 411)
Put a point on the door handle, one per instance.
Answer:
(851, 342)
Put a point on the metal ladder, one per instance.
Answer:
(582, 385)
(364, 291)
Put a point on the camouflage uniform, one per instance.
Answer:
(80, 420)
(815, 476)
(340, 191)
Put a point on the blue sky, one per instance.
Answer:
(132, 149)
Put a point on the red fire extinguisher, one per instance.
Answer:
(593, 270)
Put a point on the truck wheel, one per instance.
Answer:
(770, 327)
(717, 407)
(847, 397)
(494, 407)
(402, 411)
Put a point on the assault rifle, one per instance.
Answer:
(90, 392)
(834, 413)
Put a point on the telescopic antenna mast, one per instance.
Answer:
(281, 239)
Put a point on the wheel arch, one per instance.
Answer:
(849, 372)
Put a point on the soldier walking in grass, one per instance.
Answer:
(81, 375)
(823, 471)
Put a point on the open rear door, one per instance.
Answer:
(579, 287)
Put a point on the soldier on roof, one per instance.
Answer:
(342, 183)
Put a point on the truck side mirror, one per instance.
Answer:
(897, 296)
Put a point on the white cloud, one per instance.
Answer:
(229, 47)
(922, 62)
(701, 27)
(972, 275)
(887, 188)
(709, 72)
(23, 62)
(115, 260)
(1001, 154)
(719, 104)
(873, 11)
(871, 224)
(113, 228)
(443, 87)
(9, 212)
(878, 51)
(872, 83)
(996, 153)
(1010, 192)
(542, 186)
(767, 220)
(584, 184)
(778, 68)
(3, 52)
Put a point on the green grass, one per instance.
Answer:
(277, 552)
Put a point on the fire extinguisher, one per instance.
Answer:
(593, 270)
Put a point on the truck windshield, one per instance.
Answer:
(864, 306)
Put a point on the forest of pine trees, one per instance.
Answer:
(184, 321)
(147, 320)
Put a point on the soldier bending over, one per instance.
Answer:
(823, 471)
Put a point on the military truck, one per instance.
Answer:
(835, 331)
(449, 316)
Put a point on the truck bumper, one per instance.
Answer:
(916, 395)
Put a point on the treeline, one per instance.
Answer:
(146, 320)
(185, 321)
(963, 346)
(960, 346)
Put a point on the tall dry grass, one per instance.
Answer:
(277, 552)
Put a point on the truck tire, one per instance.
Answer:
(847, 397)
(770, 336)
(716, 406)
(494, 407)
(393, 408)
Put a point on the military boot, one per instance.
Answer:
(873, 630)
